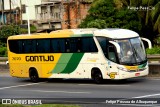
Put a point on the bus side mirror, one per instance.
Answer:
(116, 45)
(148, 41)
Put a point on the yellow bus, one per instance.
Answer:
(78, 53)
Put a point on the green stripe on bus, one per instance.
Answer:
(73, 63)
(143, 65)
(62, 63)
(82, 35)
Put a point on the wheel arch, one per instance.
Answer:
(94, 71)
(33, 70)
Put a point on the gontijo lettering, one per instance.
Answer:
(39, 58)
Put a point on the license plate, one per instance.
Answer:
(137, 74)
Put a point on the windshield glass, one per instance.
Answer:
(132, 51)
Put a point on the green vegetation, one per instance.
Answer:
(148, 12)
(104, 14)
(9, 30)
(142, 16)
(154, 50)
(7, 105)
(3, 51)
(25, 31)
(43, 105)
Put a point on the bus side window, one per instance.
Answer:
(112, 53)
(20, 46)
(80, 44)
(43, 45)
(67, 43)
(73, 45)
(58, 45)
(29, 46)
(88, 45)
(13, 46)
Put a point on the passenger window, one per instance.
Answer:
(88, 45)
(58, 45)
(43, 46)
(20, 46)
(73, 45)
(13, 46)
(83, 44)
(29, 46)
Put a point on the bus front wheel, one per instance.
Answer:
(33, 75)
(97, 76)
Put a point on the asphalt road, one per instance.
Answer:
(83, 91)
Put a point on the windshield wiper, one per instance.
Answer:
(135, 52)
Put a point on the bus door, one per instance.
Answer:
(113, 60)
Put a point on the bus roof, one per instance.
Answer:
(114, 33)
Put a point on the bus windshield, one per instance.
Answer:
(132, 51)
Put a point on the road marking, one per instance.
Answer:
(59, 91)
(151, 95)
(19, 85)
(155, 79)
(103, 85)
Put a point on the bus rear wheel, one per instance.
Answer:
(33, 75)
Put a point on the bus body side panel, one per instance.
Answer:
(17, 70)
(94, 61)
(79, 67)
(113, 72)
(48, 66)
(20, 64)
(89, 61)
(67, 64)
(17, 65)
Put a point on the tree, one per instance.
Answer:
(155, 17)
(108, 14)
(9, 30)
(148, 12)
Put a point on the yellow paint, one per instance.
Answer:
(92, 59)
(131, 67)
(62, 33)
(54, 34)
(112, 75)
(48, 67)
(19, 67)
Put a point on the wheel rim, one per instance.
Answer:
(34, 77)
(98, 78)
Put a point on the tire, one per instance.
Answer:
(97, 77)
(34, 76)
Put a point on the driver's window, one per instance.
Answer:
(112, 53)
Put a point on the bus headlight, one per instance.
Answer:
(123, 69)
